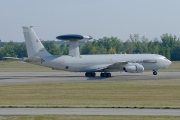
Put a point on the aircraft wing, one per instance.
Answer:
(117, 66)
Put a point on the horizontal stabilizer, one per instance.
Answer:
(34, 59)
(13, 58)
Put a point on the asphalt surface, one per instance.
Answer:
(86, 111)
(8, 78)
(56, 77)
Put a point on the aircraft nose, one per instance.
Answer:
(168, 62)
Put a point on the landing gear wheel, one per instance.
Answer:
(108, 75)
(105, 74)
(154, 72)
(102, 74)
(92, 74)
(86, 74)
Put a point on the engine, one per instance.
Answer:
(133, 68)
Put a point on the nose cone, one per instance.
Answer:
(168, 62)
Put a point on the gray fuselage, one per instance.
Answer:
(90, 63)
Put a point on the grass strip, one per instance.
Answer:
(101, 94)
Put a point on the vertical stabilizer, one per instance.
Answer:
(33, 44)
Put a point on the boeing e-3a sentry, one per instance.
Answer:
(90, 64)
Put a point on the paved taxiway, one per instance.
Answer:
(7, 78)
(87, 111)
(56, 77)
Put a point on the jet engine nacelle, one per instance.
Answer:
(133, 68)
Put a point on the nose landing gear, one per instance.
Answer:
(154, 72)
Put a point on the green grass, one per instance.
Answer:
(92, 117)
(137, 93)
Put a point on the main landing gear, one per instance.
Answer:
(90, 74)
(93, 74)
(154, 72)
(105, 74)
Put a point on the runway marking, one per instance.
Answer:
(87, 111)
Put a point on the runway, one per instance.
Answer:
(56, 77)
(9, 78)
(86, 111)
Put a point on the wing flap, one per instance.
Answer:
(117, 66)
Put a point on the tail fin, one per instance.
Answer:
(33, 44)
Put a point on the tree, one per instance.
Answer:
(63, 49)
(51, 47)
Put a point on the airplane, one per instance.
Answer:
(90, 64)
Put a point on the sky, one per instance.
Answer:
(98, 18)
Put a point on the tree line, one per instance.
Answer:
(168, 45)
